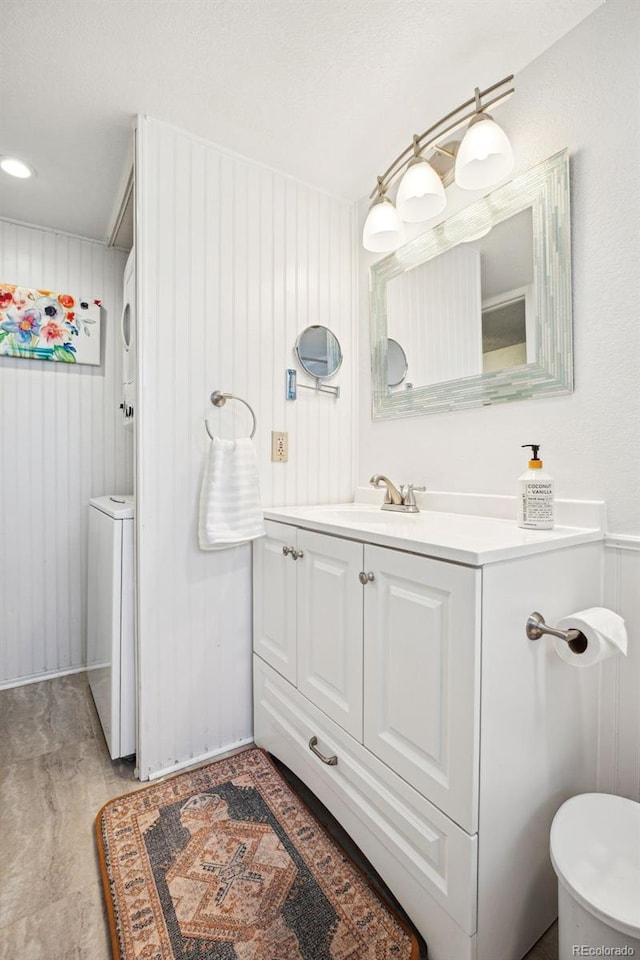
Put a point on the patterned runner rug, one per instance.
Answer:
(226, 863)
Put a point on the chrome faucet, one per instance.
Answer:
(402, 500)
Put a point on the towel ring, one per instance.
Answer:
(219, 399)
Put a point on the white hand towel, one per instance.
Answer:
(230, 511)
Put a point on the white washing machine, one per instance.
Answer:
(111, 621)
(128, 341)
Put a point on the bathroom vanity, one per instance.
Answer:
(392, 674)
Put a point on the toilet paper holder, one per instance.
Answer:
(536, 628)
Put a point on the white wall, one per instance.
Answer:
(619, 748)
(582, 94)
(235, 260)
(61, 445)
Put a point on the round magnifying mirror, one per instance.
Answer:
(126, 327)
(396, 363)
(318, 352)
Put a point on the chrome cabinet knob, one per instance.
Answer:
(297, 554)
(365, 577)
(287, 550)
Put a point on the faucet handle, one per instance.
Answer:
(408, 494)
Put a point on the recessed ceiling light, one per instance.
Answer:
(16, 168)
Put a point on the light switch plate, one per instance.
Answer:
(279, 446)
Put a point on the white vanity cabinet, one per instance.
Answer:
(308, 617)
(394, 660)
(421, 676)
(400, 687)
(329, 618)
(274, 600)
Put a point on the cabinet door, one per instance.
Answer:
(274, 599)
(421, 676)
(330, 627)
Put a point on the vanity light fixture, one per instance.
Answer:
(383, 228)
(421, 192)
(16, 168)
(485, 156)
(481, 159)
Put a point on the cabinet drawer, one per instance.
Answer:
(426, 860)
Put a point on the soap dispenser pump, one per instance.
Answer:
(535, 494)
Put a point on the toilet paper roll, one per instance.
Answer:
(604, 631)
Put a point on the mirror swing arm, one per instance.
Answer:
(319, 387)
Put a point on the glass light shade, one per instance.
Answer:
(383, 229)
(485, 156)
(16, 168)
(420, 194)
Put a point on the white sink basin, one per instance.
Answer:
(361, 514)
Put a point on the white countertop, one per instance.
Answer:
(456, 536)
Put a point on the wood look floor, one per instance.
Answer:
(55, 774)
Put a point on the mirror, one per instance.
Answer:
(481, 303)
(126, 327)
(318, 351)
(396, 363)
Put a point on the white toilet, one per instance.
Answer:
(595, 851)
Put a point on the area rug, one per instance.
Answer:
(226, 863)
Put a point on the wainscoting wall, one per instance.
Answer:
(619, 759)
(61, 444)
(235, 260)
(448, 345)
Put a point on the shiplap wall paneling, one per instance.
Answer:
(61, 444)
(619, 754)
(234, 261)
(441, 335)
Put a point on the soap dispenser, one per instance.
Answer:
(535, 495)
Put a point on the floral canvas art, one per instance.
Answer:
(43, 325)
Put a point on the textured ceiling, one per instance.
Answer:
(326, 90)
